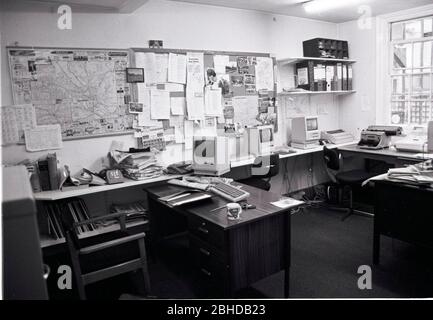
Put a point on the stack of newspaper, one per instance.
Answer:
(415, 174)
(137, 165)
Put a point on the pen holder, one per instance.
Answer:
(234, 211)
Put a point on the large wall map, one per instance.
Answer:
(85, 91)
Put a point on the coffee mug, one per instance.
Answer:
(234, 211)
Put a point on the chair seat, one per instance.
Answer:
(353, 176)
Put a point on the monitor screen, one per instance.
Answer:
(312, 124)
(204, 148)
(266, 135)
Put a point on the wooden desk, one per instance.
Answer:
(388, 155)
(229, 255)
(403, 212)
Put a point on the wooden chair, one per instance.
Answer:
(97, 254)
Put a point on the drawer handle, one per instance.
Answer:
(206, 272)
(205, 231)
(205, 252)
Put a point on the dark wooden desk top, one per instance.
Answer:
(260, 198)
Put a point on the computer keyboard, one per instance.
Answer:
(229, 192)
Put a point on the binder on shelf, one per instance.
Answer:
(330, 78)
(320, 77)
(344, 82)
(349, 77)
(339, 76)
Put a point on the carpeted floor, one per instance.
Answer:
(326, 254)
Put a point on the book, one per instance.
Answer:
(44, 177)
(52, 171)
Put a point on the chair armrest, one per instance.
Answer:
(112, 243)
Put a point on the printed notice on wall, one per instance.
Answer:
(264, 74)
(44, 138)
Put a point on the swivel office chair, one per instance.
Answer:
(124, 253)
(262, 181)
(347, 179)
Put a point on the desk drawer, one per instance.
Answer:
(211, 270)
(204, 253)
(206, 231)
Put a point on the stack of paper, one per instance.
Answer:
(413, 174)
(138, 166)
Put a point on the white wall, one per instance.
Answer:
(358, 110)
(180, 25)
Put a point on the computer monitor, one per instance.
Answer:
(210, 155)
(305, 129)
(261, 139)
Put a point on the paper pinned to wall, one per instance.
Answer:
(177, 68)
(15, 120)
(195, 85)
(147, 61)
(213, 102)
(159, 104)
(9, 126)
(161, 61)
(245, 110)
(178, 122)
(188, 134)
(178, 105)
(194, 104)
(264, 74)
(220, 62)
(44, 138)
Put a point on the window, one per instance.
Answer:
(411, 47)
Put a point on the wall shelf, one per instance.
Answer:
(306, 92)
(300, 59)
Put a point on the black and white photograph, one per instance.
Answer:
(134, 75)
(215, 158)
(135, 107)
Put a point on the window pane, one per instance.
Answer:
(400, 85)
(417, 54)
(421, 85)
(428, 31)
(426, 55)
(419, 112)
(412, 29)
(397, 31)
(399, 112)
(402, 56)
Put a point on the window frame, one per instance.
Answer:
(384, 59)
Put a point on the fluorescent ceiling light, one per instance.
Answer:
(317, 6)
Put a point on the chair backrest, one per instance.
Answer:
(274, 166)
(331, 158)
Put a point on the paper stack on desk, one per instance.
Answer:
(138, 165)
(414, 174)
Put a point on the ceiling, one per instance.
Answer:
(121, 6)
(285, 7)
(295, 7)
